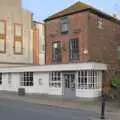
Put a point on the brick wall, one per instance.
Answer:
(103, 42)
(100, 43)
(77, 29)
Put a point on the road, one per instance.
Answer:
(18, 110)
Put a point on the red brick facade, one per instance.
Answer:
(77, 29)
(101, 44)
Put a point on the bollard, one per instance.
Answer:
(103, 104)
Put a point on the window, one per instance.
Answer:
(55, 79)
(9, 78)
(89, 80)
(64, 24)
(2, 36)
(0, 78)
(27, 79)
(100, 23)
(18, 39)
(82, 79)
(74, 49)
(56, 52)
(118, 52)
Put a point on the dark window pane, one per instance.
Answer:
(56, 52)
(28, 79)
(74, 50)
(64, 24)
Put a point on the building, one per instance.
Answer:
(19, 35)
(81, 33)
(68, 80)
(77, 54)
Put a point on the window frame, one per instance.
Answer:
(72, 50)
(100, 23)
(93, 80)
(58, 58)
(64, 21)
(118, 52)
(3, 36)
(1, 78)
(27, 79)
(18, 39)
(55, 80)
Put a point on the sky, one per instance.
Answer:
(44, 8)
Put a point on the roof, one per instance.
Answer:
(74, 8)
(79, 7)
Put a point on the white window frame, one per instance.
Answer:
(118, 52)
(89, 79)
(27, 79)
(55, 80)
(9, 78)
(100, 23)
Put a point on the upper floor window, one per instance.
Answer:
(118, 52)
(2, 36)
(18, 39)
(100, 23)
(74, 49)
(56, 52)
(64, 24)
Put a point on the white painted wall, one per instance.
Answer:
(39, 88)
(41, 85)
(88, 93)
(12, 12)
(14, 82)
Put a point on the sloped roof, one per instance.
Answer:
(79, 7)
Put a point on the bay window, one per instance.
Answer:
(89, 79)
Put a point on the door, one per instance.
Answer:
(69, 85)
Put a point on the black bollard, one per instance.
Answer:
(103, 104)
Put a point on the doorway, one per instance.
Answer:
(69, 85)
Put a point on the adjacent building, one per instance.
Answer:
(19, 36)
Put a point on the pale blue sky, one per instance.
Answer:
(43, 8)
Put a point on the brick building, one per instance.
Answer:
(81, 33)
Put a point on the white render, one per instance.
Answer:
(11, 12)
(59, 67)
(41, 77)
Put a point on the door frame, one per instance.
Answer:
(63, 81)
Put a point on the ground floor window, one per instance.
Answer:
(89, 79)
(0, 78)
(9, 78)
(27, 79)
(55, 79)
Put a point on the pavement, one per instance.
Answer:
(112, 110)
